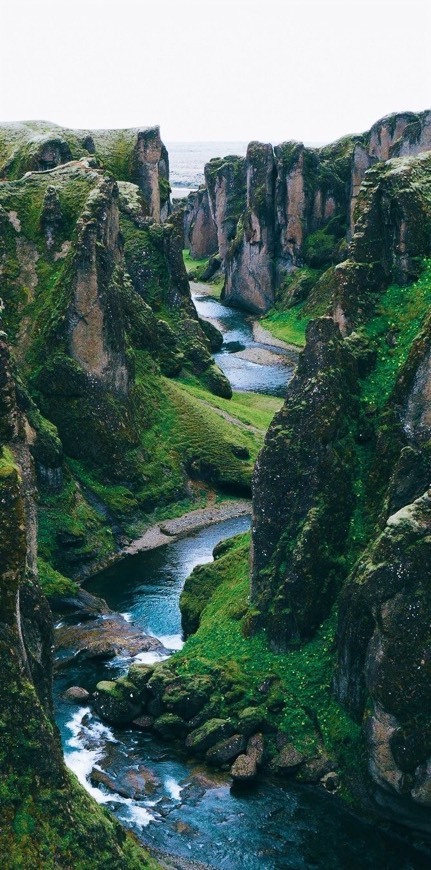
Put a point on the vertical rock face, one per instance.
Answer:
(44, 811)
(302, 492)
(148, 157)
(200, 231)
(96, 335)
(290, 202)
(384, 659)
(226, 183)
(30, 746)
(310, 206)
(250, 260)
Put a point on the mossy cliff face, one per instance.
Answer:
(226, 182)
(249, 262)
(302, 518)
(392, 232)
(384, 659)
(98, 311)
(310, 201)
(200, 232)
(135, 155)
(47, 820)
(340, 515)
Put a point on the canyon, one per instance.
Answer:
(307, 654)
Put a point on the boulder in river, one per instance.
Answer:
(244, 768)
(77, 694)
(288, 761)
(102, 638)
(200, 740)
(117, 702)
(226, 751)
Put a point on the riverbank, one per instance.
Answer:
(180, 527)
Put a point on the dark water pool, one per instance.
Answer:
(184, 809)
(237, 329)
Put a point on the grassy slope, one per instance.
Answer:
(185, 429)
(196, 268)
(300, 696)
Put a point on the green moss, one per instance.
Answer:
(290, 325)
(397, 320)
(319, 248)
(54, 583)
(7, 463)
(299, 700)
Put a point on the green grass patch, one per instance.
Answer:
(252, 409)
(300, 701)
(289, 325)
(196, 268)
(394, 327)
(7, 463)
(54, 583)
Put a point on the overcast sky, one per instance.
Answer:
(215, 69)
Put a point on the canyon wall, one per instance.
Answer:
(341, 501)
(45, 813)
(303, 215)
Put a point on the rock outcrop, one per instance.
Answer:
(304, 213)
(250, 259)
(341, 501)
(200, 231)
(44, 811)
(135, 155)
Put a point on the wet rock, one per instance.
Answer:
(170, 725)
(77, 694)
(143, 723)
(82, 603)
(244, 768)
(226, 750)
(315, 768)
(288, 760)
(139, 674)
(117, 702)
(139, 783)
(200, 740)
(256, 748)
(100, 777)
(102, 639)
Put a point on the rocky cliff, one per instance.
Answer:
(47, 820)
(341, 504)
(136, 155)
(304, 212)
(98, 313)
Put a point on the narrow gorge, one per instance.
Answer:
(214, 502)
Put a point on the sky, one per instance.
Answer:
(215, 70)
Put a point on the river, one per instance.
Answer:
(174, 804)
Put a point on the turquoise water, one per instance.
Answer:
(188, 810)
(237, 329)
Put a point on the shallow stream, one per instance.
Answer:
(237, 328)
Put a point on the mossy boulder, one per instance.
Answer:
(117, 702)
(212, 732)
(186, 696)
(170, 726)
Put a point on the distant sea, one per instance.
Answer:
(187, 161)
